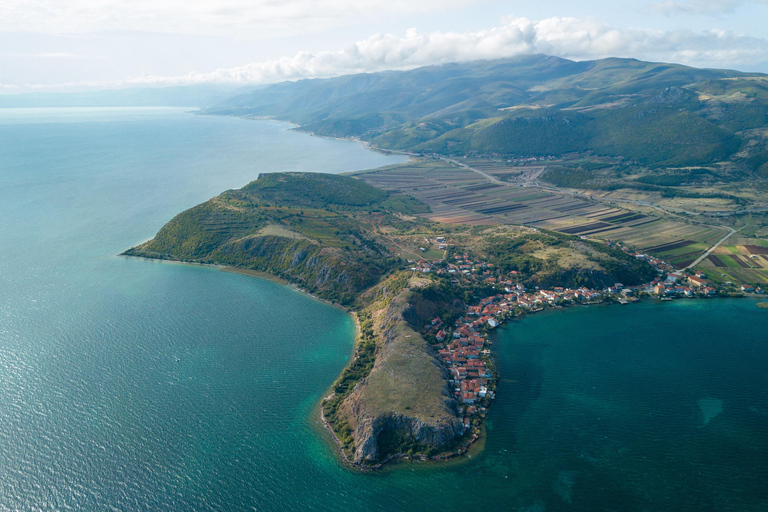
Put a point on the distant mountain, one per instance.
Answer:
(656, 114)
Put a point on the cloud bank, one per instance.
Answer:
(564, 37)
(573, 38)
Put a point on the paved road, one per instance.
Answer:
(709, 251)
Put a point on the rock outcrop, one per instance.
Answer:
(404, 403)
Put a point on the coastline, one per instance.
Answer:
(246, 272)
(278, 280)
(298, 128)
(483, 385)
(260, 275)
(464, 449)
(475, 434)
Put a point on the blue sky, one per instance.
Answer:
(80, 44)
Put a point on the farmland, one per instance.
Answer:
(746, 260)
(508, 192)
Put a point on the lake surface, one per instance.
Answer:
(137, 385)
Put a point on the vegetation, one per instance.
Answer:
(608, 265)
(303, 227)
(347, 241)
(358, 369)
(654, 114)
(665, 184)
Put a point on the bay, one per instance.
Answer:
(137, 385)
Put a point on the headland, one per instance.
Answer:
(426, 295)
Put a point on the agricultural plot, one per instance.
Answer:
(736, 275)
(745, 261)
(742, 256)
(461, 196)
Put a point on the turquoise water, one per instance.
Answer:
(652, 406)
(137, 385)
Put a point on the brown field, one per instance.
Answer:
(716, 261)
(755, 249)
(459, 195)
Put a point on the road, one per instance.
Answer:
(478, 171)
(709, 251)
(660, 208)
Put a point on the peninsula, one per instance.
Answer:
(534, 182)
(425, 294)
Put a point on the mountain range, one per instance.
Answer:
(655, 114)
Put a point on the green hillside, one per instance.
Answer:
(655, 114)
(298, 226)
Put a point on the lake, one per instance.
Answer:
(139, 385)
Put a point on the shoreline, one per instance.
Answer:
(298, 128)
(279, 280)
(475, 435)
(243, 271)
(464, 449)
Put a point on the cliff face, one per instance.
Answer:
(326, 272)
(404, 403)
(370, 431)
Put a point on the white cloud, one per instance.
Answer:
(565, 37)
(572, 38)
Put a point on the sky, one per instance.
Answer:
(64, 45)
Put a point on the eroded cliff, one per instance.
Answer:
(404, 403)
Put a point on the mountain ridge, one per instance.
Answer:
(653, 113)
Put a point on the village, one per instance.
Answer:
(464, 346)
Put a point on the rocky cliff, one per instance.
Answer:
(404, 403)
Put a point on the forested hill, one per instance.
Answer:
(652, 113)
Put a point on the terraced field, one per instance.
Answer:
(459, 195)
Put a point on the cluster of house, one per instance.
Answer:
(464, 350)
(677, 284)
(464, 347)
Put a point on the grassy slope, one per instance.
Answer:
(544, 260)
(331, 254)
(418, 395)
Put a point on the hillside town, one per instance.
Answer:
(464, 346)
